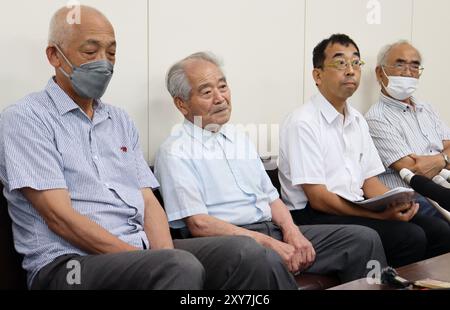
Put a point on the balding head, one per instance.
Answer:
(78, 36)
(389, 49)
(67, 22)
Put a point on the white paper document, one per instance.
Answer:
(396, 195)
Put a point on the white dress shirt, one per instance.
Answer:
(318, 146)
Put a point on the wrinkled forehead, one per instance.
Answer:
(199, 71)
(403, 53)
(92, 28)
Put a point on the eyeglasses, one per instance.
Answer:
(342, 64)
(403, 66)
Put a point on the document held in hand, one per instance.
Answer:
(396, 195)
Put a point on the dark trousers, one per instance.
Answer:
(344, 250)
(404, 243)
(237, 263)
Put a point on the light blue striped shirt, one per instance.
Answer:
(218, 174)
(48, 142)
(399, 130)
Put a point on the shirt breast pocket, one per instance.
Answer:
(248, 173)
(75, 158)
(120, 162)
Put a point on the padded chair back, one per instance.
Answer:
(12, 276)
(273, 175)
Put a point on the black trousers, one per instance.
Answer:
(404, 243)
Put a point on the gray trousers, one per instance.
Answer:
(199, 263)
(344, 250)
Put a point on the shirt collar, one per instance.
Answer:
(330, 113)
(64, 104)
(400, 104)
(205, 136)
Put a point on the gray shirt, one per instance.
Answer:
(399, 130)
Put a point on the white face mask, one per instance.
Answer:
(400, 87)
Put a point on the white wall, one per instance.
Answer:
(431, 34)
(24, 66)
(260, 42)
(352, 17)
(266, 46)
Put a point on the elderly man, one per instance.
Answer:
(406, 131)
(328, 160)
(80, 192)
(214, 184)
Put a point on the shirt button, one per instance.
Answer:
(95, 157)
(107, 184)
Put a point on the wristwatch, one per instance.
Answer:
(446, 158)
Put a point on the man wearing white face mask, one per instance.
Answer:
(406, 131)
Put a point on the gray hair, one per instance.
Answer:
(385, 50)
(63, 21)
(177, 82)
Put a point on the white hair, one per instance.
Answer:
(177, 82)
(385, 50)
